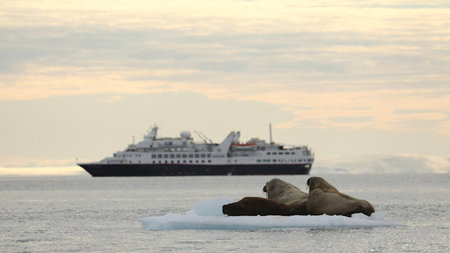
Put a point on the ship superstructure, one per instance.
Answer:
(182, 156)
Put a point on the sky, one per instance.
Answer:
(365, 84)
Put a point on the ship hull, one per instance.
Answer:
(143, 170)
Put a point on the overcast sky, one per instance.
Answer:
(366, 84)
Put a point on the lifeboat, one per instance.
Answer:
(243, 146)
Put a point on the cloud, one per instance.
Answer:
(383, 164)
(358, 164)
(42, 171)
(330, 72)
(317, 61)
(32, 166)
(32, 162)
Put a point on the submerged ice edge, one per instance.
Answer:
(207, 215)
(195, 222)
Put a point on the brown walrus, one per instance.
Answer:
(288, 194)
(326, 199)
(253, 206)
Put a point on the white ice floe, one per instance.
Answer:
(208, 215)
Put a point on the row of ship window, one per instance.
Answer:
(195, 155)
(281, 153)
(160, 162)
(281, 160)
(209, 161)
(165, 162)
(154, 156)
(178, 161)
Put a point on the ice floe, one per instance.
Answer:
(207, 215)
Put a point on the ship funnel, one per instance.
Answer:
(152, 134)
(225, 145)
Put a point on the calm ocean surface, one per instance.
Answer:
(85, 214)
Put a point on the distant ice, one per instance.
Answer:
(207, 215)
(211, 207)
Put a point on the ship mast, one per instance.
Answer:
(270, 132)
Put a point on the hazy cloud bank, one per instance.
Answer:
(381, 164)
(373, 164)
(327, 57)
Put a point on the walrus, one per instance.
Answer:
(326, 199)
(253, 206)
(288, 194)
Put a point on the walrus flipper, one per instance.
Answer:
(358, 209)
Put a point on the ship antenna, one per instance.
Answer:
(270, 132)
(207, 139)
(202, 136)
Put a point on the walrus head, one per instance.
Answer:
(282, 191)
(268, 186)
(320, 183)
(232, 209)
(245, 206)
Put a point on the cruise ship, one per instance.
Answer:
(182, 156)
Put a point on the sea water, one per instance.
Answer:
(85, 214)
